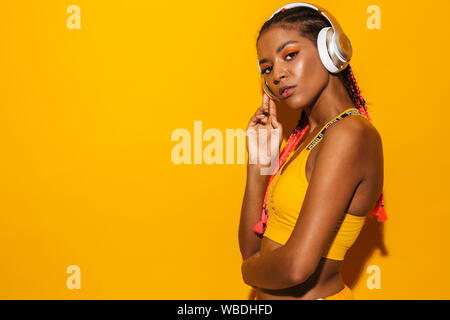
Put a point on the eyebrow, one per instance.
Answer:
(279, 49)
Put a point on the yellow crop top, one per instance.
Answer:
(285, 199)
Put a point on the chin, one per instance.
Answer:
(294, 103)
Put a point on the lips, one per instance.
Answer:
(286, 91)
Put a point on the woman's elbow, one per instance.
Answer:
(300, 277)
(300, 271)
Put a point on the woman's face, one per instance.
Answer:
(288, 59)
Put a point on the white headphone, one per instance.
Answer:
(335, 48)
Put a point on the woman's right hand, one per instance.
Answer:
(264, 121)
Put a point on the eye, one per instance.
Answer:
(291, 54)
(264, 71)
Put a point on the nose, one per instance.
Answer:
(279, 73)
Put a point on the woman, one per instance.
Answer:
(326, 185)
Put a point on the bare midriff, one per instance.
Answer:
(325, 281)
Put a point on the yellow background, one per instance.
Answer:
(86, 118)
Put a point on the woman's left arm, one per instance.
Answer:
(338, 170)
(267, 271)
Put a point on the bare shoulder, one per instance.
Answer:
(356, 131)
(354, 142)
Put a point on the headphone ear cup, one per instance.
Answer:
(322, 47)
(267, 89)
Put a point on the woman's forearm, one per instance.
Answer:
(255, 189)
(270, 271)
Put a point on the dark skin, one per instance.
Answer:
(344, 171)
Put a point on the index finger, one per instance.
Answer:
(265, 99)
(273, 109)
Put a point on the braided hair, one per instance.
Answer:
(309, 23)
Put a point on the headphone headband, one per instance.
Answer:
(334, 24)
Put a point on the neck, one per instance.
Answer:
(332, 101)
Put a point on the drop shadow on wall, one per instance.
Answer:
(370, 239)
